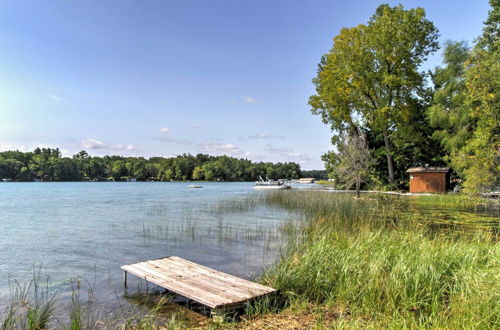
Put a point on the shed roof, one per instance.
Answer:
(428, 170)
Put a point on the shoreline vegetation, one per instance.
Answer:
(46, 164)
(347, 263)
(374, 262)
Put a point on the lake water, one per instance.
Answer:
(88, 230)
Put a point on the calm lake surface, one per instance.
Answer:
(88, 230)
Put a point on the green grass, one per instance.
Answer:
(388, 270)
(32, 305)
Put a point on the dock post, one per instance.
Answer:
(125, 279)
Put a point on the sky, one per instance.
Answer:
(162, 78)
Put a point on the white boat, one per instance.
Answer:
(194, 186)
(270, 184)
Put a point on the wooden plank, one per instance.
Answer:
(192, 288)
(178, 287)
(243, 288)
(229, 279)
(237, 280)
(214, 298)
(202, 281)
(199, 283)
(204, 286)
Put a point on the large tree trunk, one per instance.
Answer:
(390, 165)
(358, 186)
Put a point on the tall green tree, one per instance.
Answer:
(449, 114)
(370, 79)
(479, 159)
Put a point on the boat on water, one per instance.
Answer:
(270, 184)
(194, 186)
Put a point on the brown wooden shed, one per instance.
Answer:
(429, 179)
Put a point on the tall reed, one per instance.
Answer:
(364, 256)
(31, 304)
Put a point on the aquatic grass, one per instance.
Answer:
(376, 262)
(455, 200)
(237, 205)
(32, 304)
(155, 318)
(387, 269)
(223, 232)
(8, 318)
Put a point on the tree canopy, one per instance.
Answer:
(370, 79)
(371, 82)
(48, 164)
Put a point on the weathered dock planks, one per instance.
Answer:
(207, 286)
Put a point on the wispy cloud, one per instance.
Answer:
(54, 97)
(263, 135)
(93, 144)
(224, 149)
(249, 99)
(165, 136)
(195, 125)
(288, 154)
(169, 139)
(10, 147)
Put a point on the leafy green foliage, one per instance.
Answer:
(479, 159)
(316, 174)
(466, 107)
(370, 80)
(449, 114)
(47, 164)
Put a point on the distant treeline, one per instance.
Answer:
(317, 174)
(48, 165)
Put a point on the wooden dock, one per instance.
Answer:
(207, 286)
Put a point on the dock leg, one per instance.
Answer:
(223, 314)
(218, 314)
(125, 279)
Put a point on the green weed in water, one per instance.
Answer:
(386, 267)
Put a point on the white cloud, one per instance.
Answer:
(10, 147)
(127, 147)
(288, 154)
(54, 97)
(260, 136)
(263, 135)
(225, 149)
(66, 153)
(165, 130)
(169, 139)
(93, 144)
(249, 99)
(194, 125)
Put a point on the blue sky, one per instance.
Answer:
(160, 78)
